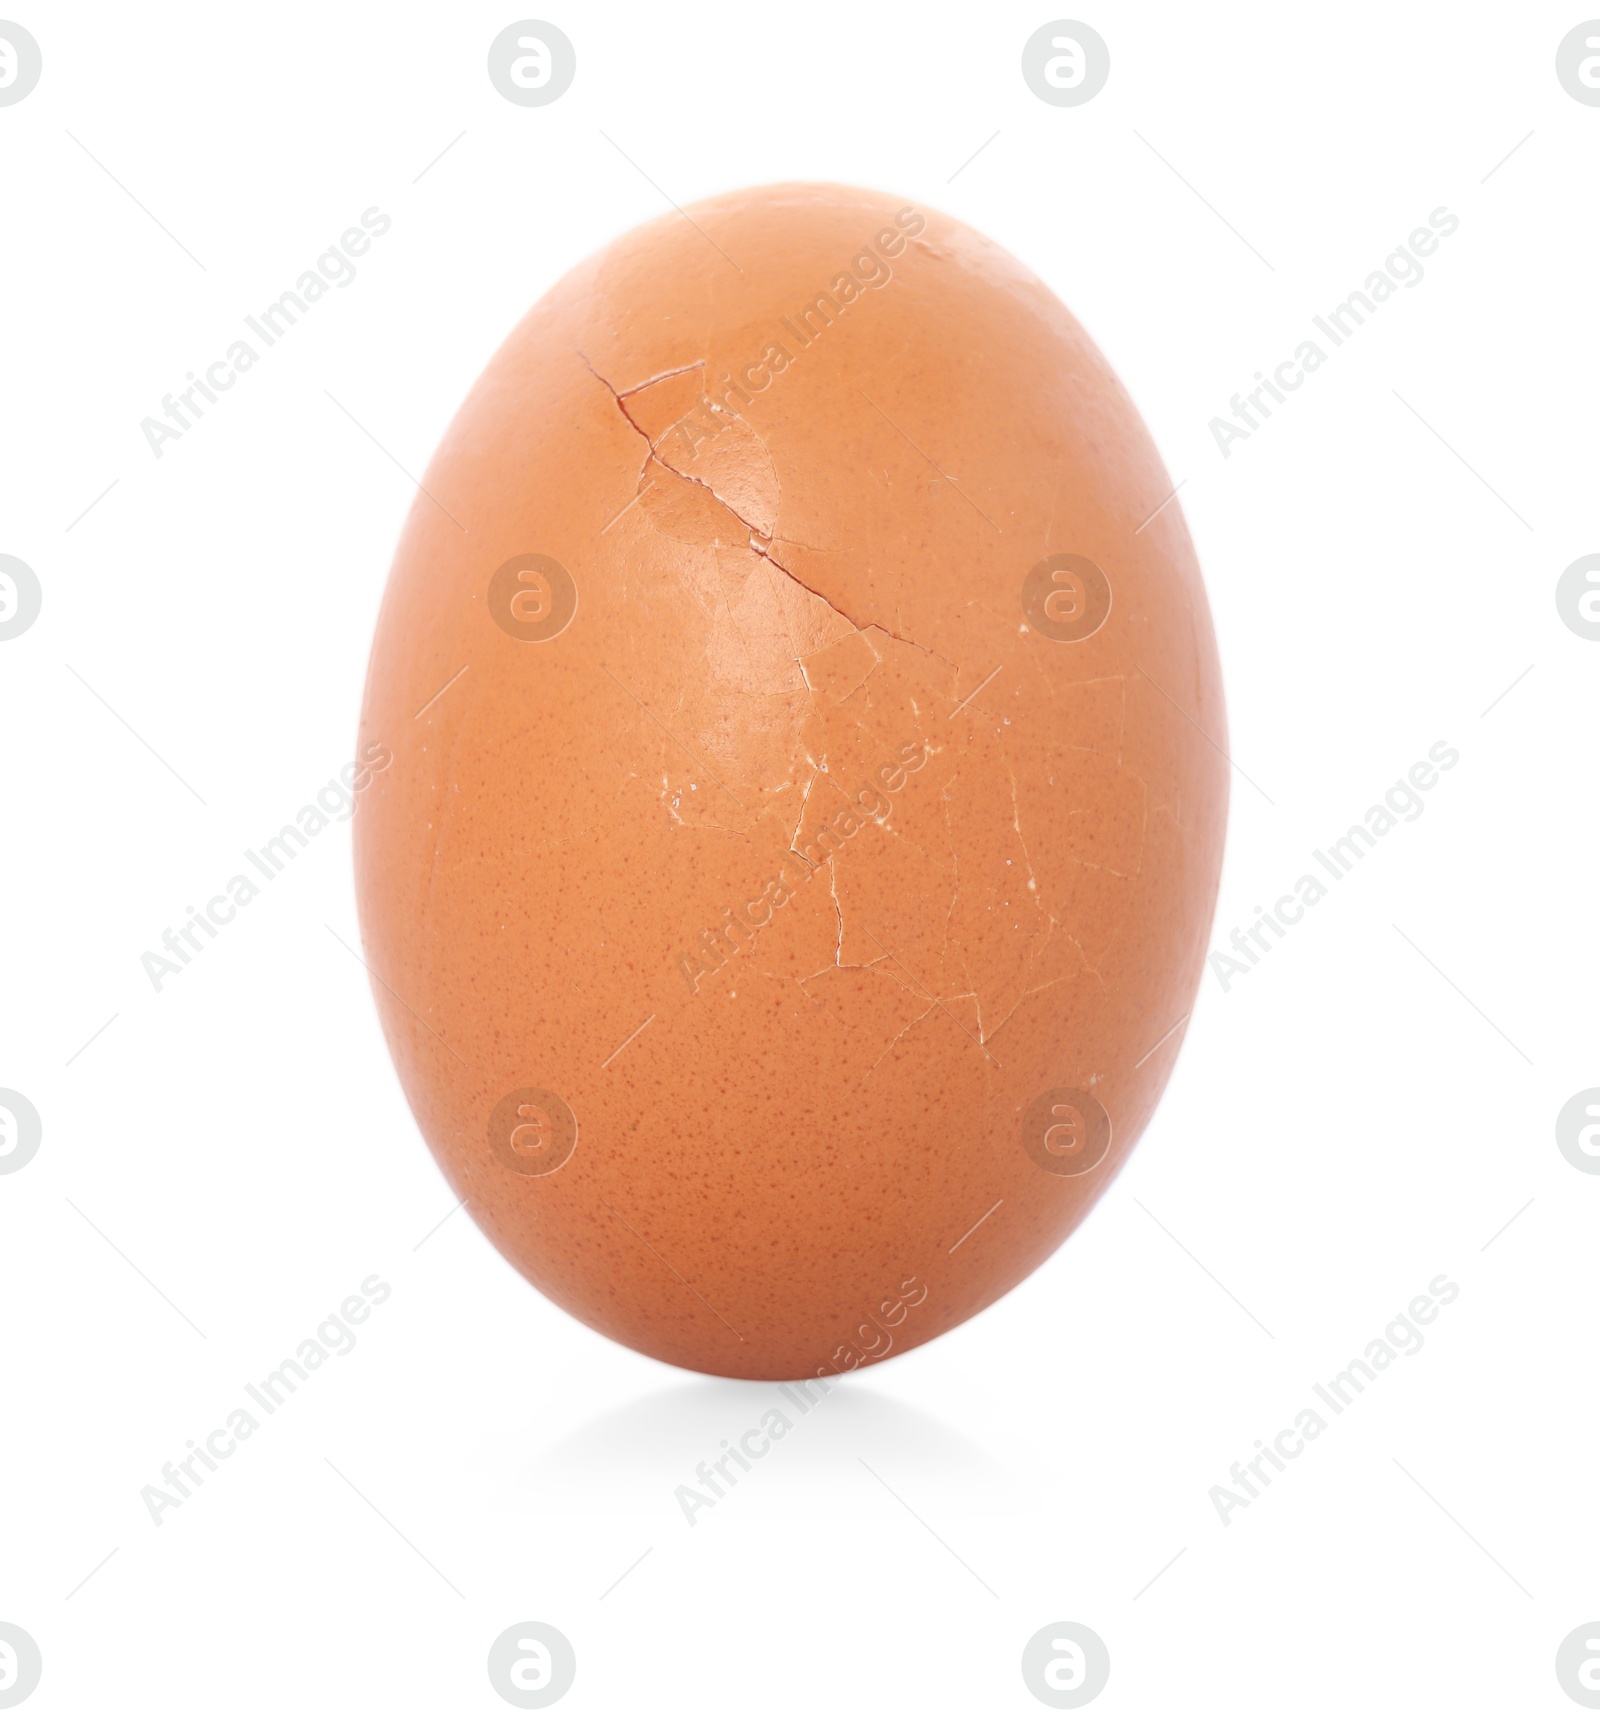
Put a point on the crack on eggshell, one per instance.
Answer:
(800, 815)
(992, 989)
(1016, 823)
(910, 1027)
(833, 890)
(883, 965)
(839, 697)
(955, 871)
(645, 384)
(759, 540)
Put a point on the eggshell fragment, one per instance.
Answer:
(808, 791)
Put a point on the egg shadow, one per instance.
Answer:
(662, 1436)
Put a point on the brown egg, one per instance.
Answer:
(807, 794)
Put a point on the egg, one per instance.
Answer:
(792, 879)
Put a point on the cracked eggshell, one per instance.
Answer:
(787, 913)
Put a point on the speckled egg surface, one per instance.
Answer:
(807, 797)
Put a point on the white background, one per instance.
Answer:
(1344, 1123)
